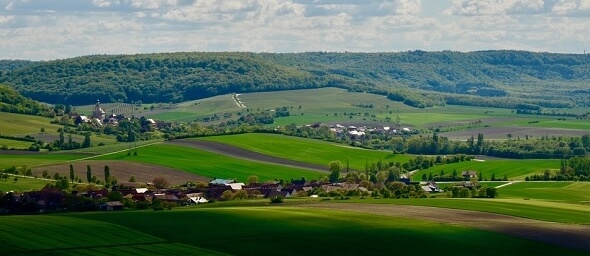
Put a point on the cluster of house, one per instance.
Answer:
(354, 131)
(55, 199)
(99, 118)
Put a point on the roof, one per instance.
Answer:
(114, 203)
(236, 186)
(220, 182)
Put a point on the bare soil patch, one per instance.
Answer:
(237, 152)
(122, 170)
(566, 235)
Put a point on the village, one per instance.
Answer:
(139, 196)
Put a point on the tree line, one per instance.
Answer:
(417, 78)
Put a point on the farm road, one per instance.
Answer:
(241, 153)
(566, 235)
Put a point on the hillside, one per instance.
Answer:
(11, 101)
(489, 78)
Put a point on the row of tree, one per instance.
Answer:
(417, 78)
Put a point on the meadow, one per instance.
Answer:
(308, 150)
(567, 192)
(22, 184)
(37, 159)
(514, 169)
(334, 105)
(297, 230)
(209, 164)
(532, 209)
(21, 125)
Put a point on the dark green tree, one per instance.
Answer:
(335, 168)
(72, 174)
(88, 173)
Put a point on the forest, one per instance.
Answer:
(418, 78)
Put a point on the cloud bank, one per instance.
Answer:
(53, 29)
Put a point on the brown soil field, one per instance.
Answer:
(499, 133)
(566, 235)
(237, 152)
(122, 170)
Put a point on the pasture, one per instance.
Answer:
(36, 159)
(514, 169)
(567, 192)
(308, 150)
(44, 235)
(16, 144)
(334, 105)
(23, 184)
(21, 125)
(210, 165)
(250, 230)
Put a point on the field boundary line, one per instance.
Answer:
(509, 183)
(115, 152)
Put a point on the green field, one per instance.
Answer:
(329, 105)
(60, 235)
(568, 192)
(531, 209)
(211, 165)
(37, 159)
(515, 169)
(308, 150)
(297, 231)
(21, 125)
(16, 144)
(22, 184)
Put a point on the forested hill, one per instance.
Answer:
(12, 101)
(498, 78)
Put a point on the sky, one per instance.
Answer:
(58, 29)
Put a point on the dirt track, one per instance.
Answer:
(566, 235)
(237, 152)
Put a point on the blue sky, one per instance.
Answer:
(56, 29)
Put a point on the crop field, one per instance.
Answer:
(22, 184)
(531, 209)
(568, 192)
(211, 165)
(21, 125)
(514, 169)
(334, 105)
(44, 235)
(16, 144)
(255, 229)
(35, 159)
(308, 150)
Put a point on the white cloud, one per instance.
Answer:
(494, 7)
(81, 27)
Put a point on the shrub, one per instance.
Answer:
(276, 200)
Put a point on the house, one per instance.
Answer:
(430, 187)
(45, 199)
(197, 200)
(112, 206)
(274, 193)
(467, 175)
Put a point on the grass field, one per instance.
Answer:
(21, 125)
(23, 184)
(37, 159)
(308, 150)
(16, 144)
(329, 105)
(59, 235)
(297, 231)
(532, 209)
(515, 169)
(568, 192)
(211, 165)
